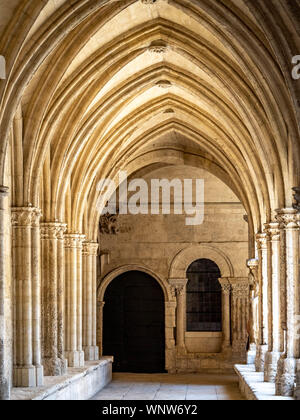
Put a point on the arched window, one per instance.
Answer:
(204, 297)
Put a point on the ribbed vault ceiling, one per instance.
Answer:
(107, 85)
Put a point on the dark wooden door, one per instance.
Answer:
(134, 324)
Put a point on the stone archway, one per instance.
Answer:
(133, 323)
(186, 256)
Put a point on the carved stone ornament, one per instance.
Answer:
(25, 216)
(148, 1)
(108, 224)
(90, 248)
(273, 231)
(52, 230)
(158, 47)
(296, 204)
(262, 240)
(288, 218)
(164, 84)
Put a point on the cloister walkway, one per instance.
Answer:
(171, 387)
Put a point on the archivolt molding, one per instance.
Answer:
(108, 278)
(187, 256)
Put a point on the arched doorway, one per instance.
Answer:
(204, 297)
(134, 323)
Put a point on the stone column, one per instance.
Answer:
(286, 375)
(273, 355)
(170, 320)
(54, 364)
(263, 274)
(226, 327)
(79, 294)
(89, 274)
(4, 383)
(253, 311)
(61, 298)
(100, 306)
(27, 300)
(73, 352)
(240, 311)
(179, 287)
(36, 296)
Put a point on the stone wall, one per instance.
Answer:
(153, 242)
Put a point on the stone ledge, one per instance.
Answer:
(77, 384)
(254, 388)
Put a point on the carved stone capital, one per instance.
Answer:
(240, 290)
(23, 217)
(262, 240)
(177, 286)
(73, 240)
(53, 230)
(226, 286)
(273, 231)
(240, 287)
(90, 248)
(288, 218)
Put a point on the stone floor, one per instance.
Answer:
(171, 387)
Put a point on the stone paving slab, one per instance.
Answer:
(158, 387)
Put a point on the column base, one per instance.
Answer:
(251, 355)
(4, 390)
(75, 358)
(63, 366)
(260, 358)
(25, 376)
(91, 353)
(53, 366)
(271, 366)
(181, 350)
(226, 350)
(39, 375)
(286, 377)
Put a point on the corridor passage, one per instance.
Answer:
(171, 387)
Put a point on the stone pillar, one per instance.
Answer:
(89, 274)
(240, 316)
(73, 352)
(79, 294)
(286, 375)
(179, 287)
(253, 311)
(273, 355)
(54, 363)
(27, 292)
(4, 383)
(36, 296)
(100, 306)
(226, 327)
(170, 320)
(61, 298)
(263, 274)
